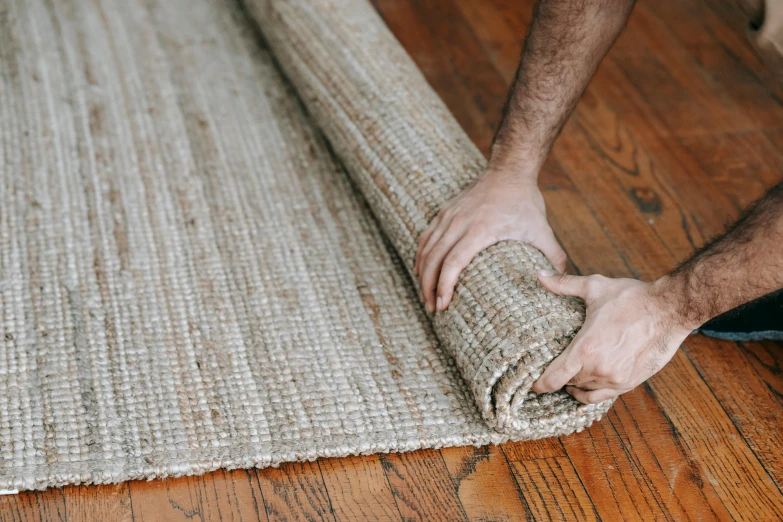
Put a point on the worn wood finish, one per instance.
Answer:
(681, 128)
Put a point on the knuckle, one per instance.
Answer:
(597, 279)
(544, 385)
(458, 219)
(477, 229)
(445, 288)
(445, 281)
(565, 279)
(572, 365)
(451, 263)
(593, 283)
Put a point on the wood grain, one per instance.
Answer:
(748, 399)
(485, 484)
(553, 490)
(110, 502)
(725, 460)
(358, 489)
(294, 492)
(35, 506)
(223, 495)
(423, 487)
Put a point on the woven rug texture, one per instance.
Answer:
(208, 219)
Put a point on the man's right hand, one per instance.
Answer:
(499, 206)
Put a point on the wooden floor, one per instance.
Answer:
(680, 129)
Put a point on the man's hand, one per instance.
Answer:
(631, 331)
(566, 42)
(497, 207)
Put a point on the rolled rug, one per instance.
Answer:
(408, 157)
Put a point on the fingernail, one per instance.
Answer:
(546, 273)
(440, 303)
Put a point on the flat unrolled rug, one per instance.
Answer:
(208, 220)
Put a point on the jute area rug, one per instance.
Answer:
(208, 218)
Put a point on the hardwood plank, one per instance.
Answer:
(744, 177)
(678, 89)
(699, 196)
(89, 503)
(710, 462)
(615, 210)
(727, 462)
(501, 44)
(583, 238)
(358, 489)
(485, 483)
(728, 26)
(775, 137)
(33, 506)
(295, 491)
(549, 448)
(464, 51)
(220, 495)
(762, 155)
(553, 490)
(612, 480)
(636, 170)
(723, 51)
(422, 486)
(766, 357)
(752, 405)
(634, 487)
(652, 443)
(700, 105)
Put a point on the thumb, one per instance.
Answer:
(552, 250)
(563, 284)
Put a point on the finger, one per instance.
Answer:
(423, 239)
(563, 284)
(559, 372)
(553, 251)
(454, 263)
(432, 241)
(592, 396)
(431, 267)
(435, 236)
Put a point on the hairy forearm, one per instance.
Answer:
(566, 42)
(741, 265)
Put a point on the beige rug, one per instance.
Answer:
(206, 232)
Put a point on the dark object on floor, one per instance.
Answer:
(756, 321)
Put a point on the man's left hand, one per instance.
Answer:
(630, 333)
